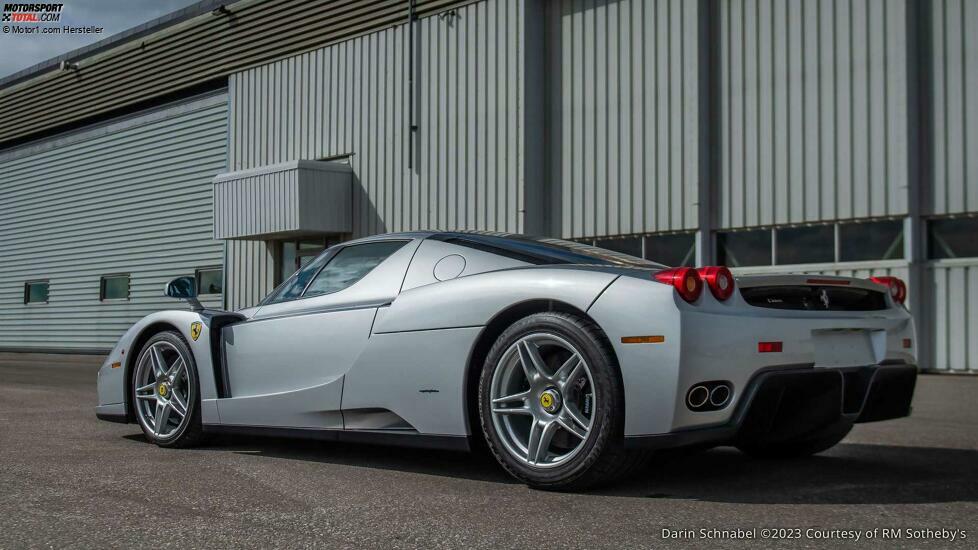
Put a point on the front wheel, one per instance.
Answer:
(552, 405)
(165, 392)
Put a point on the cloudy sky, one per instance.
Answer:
(21, 51)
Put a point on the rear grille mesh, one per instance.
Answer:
(814, 298)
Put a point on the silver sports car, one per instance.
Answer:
(571, 362)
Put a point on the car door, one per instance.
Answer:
(286, 364)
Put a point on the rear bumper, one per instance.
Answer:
(786, 403)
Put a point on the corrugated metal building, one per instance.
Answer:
(813, 136)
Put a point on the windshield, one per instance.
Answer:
(543, 250)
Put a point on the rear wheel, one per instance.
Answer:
(799, 447)
(551, 404)
(165, 392)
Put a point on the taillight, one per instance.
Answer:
(897, 288)
(686, 281)
(720, 281)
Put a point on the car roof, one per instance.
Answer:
(425, 233)
(528, 248)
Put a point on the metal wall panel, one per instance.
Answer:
(352, 100)
(190, 53)
(955, 98)
(624, 105)
(136, 201)
(954, 330)
(249, 272)
(813, 111)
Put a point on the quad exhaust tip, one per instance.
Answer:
(709, 396)
(719, 395)
(697, 397)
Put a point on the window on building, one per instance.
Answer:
(349, 265)
(744, 248)
(673, 250)
(114, 287)
(879, 240)
(36, 292)
(805, 245)
(952, 238)
(626, 245)
(210, 280)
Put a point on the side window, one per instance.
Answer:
(350, 264)
(292, 288)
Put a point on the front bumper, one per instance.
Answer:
(781, 404)
(112, 413)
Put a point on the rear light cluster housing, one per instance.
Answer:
(689, 282)
(897, 288)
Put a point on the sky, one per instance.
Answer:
(19, 51)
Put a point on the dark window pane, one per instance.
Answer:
(210, 281)
(806, 245)
(871, 241)
(957, 238)
(350, 265)
(314, 244)
(628, 245)
(36, 292)
(115, 287)
(672, 250)
(741, 248)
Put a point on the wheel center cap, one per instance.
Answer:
(163, 390)
(550, 400)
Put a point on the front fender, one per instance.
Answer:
(112, 376)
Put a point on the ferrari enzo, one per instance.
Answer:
(572, 363)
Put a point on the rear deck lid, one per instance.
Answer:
(812, 292)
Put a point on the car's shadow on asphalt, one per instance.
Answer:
(847, 474)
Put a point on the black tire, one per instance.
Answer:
(602, 458)
(191, 432)
(796, 448)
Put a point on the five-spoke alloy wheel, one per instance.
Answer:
(551, 403)
(165, 391)
(542, 414)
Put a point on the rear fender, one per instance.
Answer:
(474, 300)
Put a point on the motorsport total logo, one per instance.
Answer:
(31, 13)
(41, 20)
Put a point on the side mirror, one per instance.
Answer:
(184, 288)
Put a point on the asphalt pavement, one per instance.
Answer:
(68, 480)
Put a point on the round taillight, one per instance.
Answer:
(720, 281)
(897, 288)
(686, 281)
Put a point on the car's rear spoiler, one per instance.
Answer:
(749, 281)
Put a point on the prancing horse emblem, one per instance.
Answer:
(195, 330)
(822, 295)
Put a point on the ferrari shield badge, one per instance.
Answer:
(195, 330)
